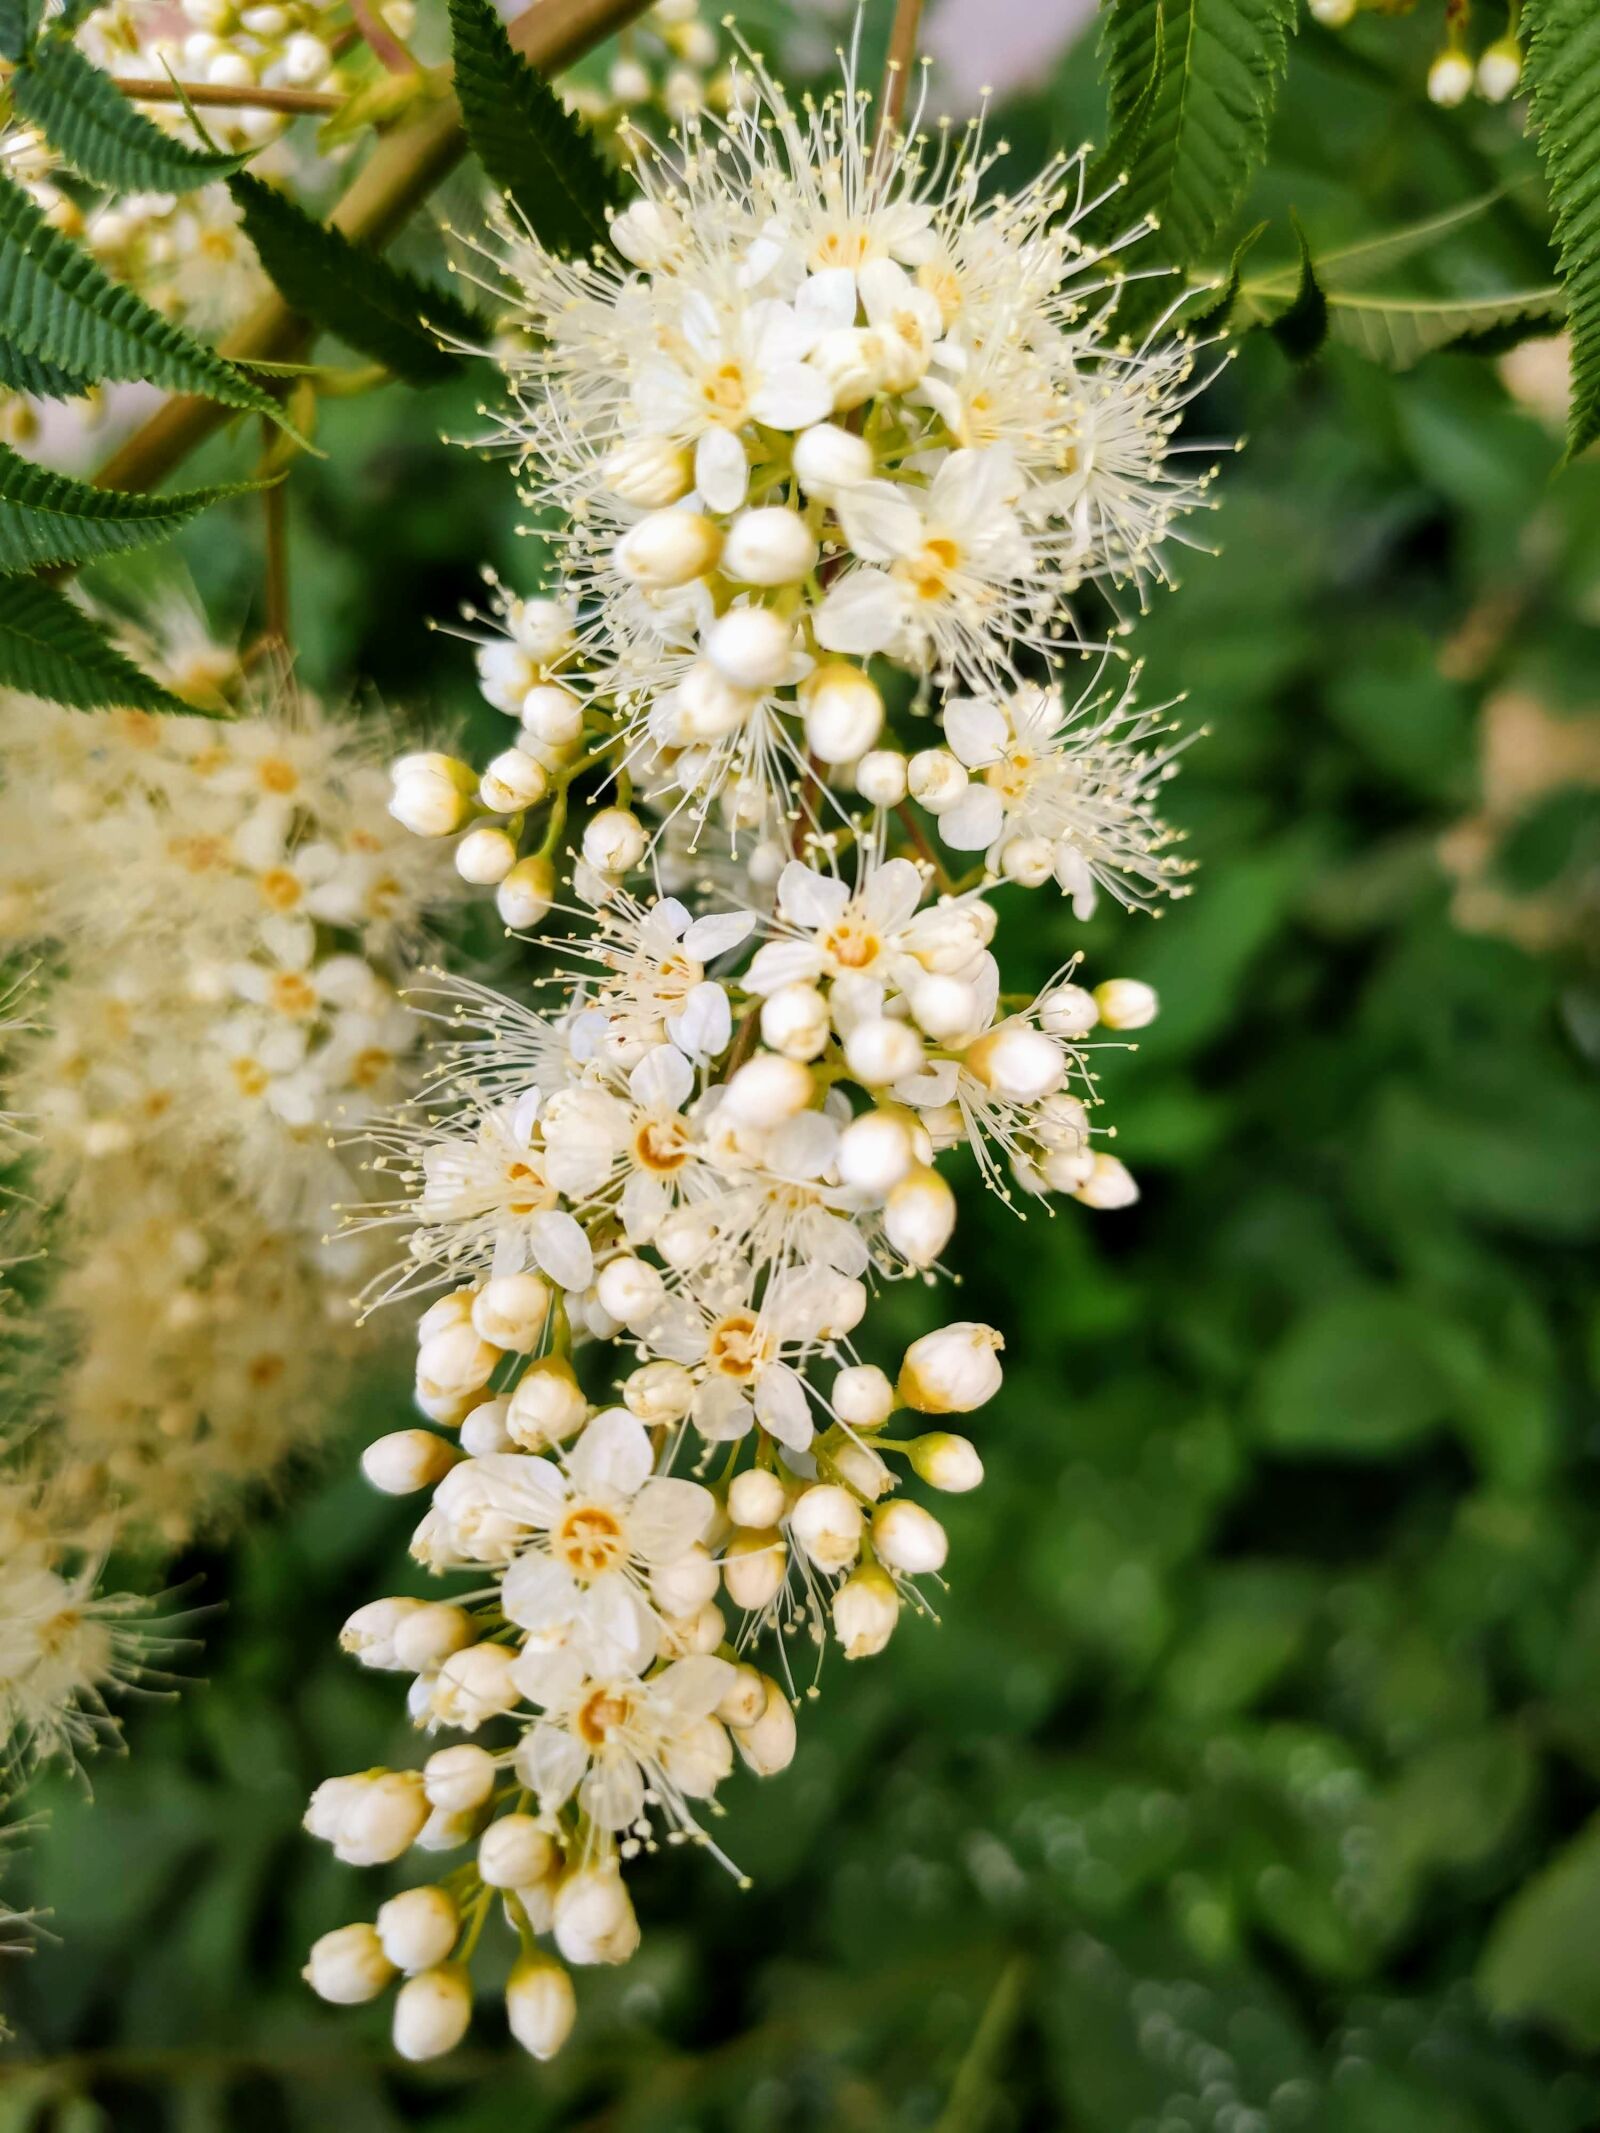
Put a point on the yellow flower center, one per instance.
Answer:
(737, 1346)
(589, 1540)
(280, 891)
(294, 995)
(851, 943)
(660, 1145)
(930, 570)
(600, 1716)
(727, 395)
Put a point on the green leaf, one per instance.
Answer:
(351, 290)
(1359, 1375)
(88, 120)
(541, 157)
(1399, 330)
(1205, 134)
(19, 19)
(1130, 123)
(1563, 72)
(1302, 327)
(1539, 1961)
(23, 373)
(60, 306)
(48, 518)
(1214, 316)
(52, 649)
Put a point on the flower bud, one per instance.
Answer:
(1450, 78)
(306, 60)
(860, 1468)
(866, 1608)
(794, 1021)
(348, 1966)
(1018, 1062)
(446, 1832)
(669, 548)
(1068, 1011)
(1028, 861)
(689, 1636)
(1334, 14)
(371, 1819)
(1110, 1184)
(407, 1460)
(881, 1051)
(908, 1539)
(952, 1371)
(843, 711)
(752, 647)
(541, 2005)
(593, 1920)
(706, 706)
(768, 1746)
(946, 1462)
(452, 1310)
(851, 360)
(418, 1927)
(614, 841)
(458, 1359)
(881, 777)
(547, 1406)
(756, 1498)
(943, 1007)
(510, 1310)
(428, 1635)
(514, 1852)
(1499, 69)
(631, 1290)
(512, 782)
(827, 457)
(552, 716)
(862, 1396)
(368, 1634)
(769, 546)
(1126, 1003)
(474, 1686)
(432, 794)
(935, 779)
(745, 1698)
(646, 233)
(658, 1393)
(827, 1524)
(919, 1216)
(458, 1779)
(685, 1585)
(651, 472)
(754, 1567)
(768, 1089)
(524, 898)
(505, 674)
(875, 1152)
(431, 2012)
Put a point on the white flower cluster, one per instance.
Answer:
(824, 417)
(224, 910)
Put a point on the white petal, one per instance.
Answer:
(612, 1795)
(537, 1593)
(716, 933)
(662, 1080)
(549, 1675)
(704, 1026)
(975, 821)
(550, 1763)
(782, 963)
(561, 1249)
(612, 1457)
(975, 731)
(866, 611)
(893, 891)
(721, 470)
(809, 898)
(802, 1147)
(667, 1517)
(645, 1199)
(792, 396)
(878, 521)
(826, 301)
(782, 1408)
(616, 1630)
(692, 1688)
(721, 1411)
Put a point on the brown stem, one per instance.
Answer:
(401, 172)
(921, 846)
(387, 47)
(902, 58)
(202, 94)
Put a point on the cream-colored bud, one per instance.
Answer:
(614, 840)
(946, 1462)
(843, 711)
(444, 1832)
(381, 1819)
(459, 1778)
(368, 1634)
(1499, 70)
(863, 1396)
(853, 361)
(745, 1698)
(769, 546)
(1018, 1062)
(432, 2011)
(594, 1920)
(875, 1153)
(552, 716)
(407, 1460)
(794, 1021)
(768, 1089)
(953, 1370)
(860, 1468)
(452, 1310)
(935, 779)
(685, 1585)
(756, 1498)
(547, 1406)
(699, 1634)
(514, 1851)
(881, 1051)
(751, 647)
(651, 472)
(1067, 1169)
(1110, 1184)
(668, 548)
(430, 798)
(865, 1610)
(658, 1393)
(1068, 1011)
(1450, 79)
(828, 458)
(943, 1007)
(348, 1966)
(1126, 1003)
(1334, 14)
(631, 1290)
(754, 1567)
(459, 1359)
(524, 898)
(541, 2005)
(882, 777)
(428, 1635)
(306, 60)
(646, 233)
(909, 1539)
(512, 782)
(919, 1216)
(826, 1523)
(1028, 861)
(418, 1927)
(768, 1746)
(706, 706)
(474, 1686)
(510, 1311)
(629, 81)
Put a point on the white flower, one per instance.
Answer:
(606, 1738)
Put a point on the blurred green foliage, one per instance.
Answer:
(1249, 1783)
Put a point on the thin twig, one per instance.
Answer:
(139, 90)
(902, 58)
(275, 515)
(388, 49)
(966, 2107)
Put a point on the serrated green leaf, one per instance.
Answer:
(24, 373)
(18, 21)
(1302, 326)
(353, 292)
(1206, 132)
(59, 305)
(51, 649)
(48, 518)
(1563, 73)
(88, 120)
(542, 157)
(1130, 123)
(1214, 316)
